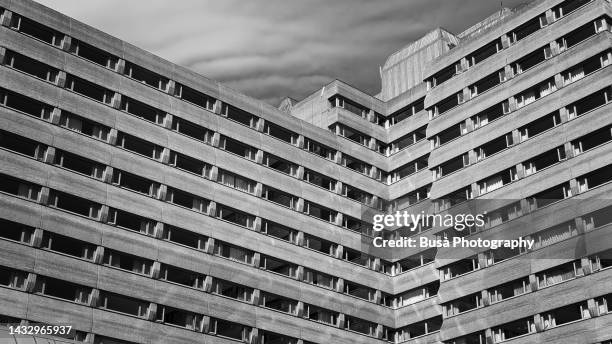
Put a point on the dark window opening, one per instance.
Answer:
(279, 164)
(232, 215)
(135, 183)
(93, 54)
(62, 289)
(278, 231)
(88, 89)
(358, 290)
(229, 329)
(20, 144)
(279, 132)
(127, 262)
(36, 30)
(26, 105)
(278, 303)
(132, 222)
(142, 110)
(238, 115)
(12, 278)
(84, 126)
(177, 317)
(233, 290)
(67, 245)
(596, 178)
(75, 204)
(146, 76)
(138, 146)
(184, 237)
(587, 104)
(123, 304)
(182, 276)
(551, 195)
(79, 164)
(279, 197)
(190, 129)
(484, 52)
(447, 104)
(529, 61)
(319, 180)
(198, 98)
(445, 74)
(540, 125)
(278, 266)
(15, 231)
(579, 35)
(30, 66)
(188, 164)
(525, 30)
(318, 244)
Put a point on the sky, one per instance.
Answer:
(272, 49)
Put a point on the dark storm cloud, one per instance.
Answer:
(270, 49)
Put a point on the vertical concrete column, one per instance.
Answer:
(569, 150)
(156, 270)
(378, 332)
(580, 227)
(218, 107)
(158, 231)
(60, 80)
(341, 320)
(66, 43)
(208, 284)
(259, 156)
(7, 16)
(205, 324)
(209, 246)
(152, 311)
(256, 260)
(37, 237)
(372, 143)
(299, 205)
(559, 82)
(338, 157)
(586, 265)
(340, 285)
(299, 173)
(505, 41)
(482, 259)
(212, 209)
(475, 189)
(49, 157)
(300, 273)
(339, 252)
(550, 17)
(489, 336)
(466, 94)
(486, 301)
(116, 101)
(171, 88)
(43, 198)
(256, 297)
(299, 238)
(30, 283)
(508, 72)
(120, 66)
(260, 124)
(533, 283)
(55, 116)
(593, 309)
(257, 224)
(574, 186)
(253, 336)
(472, 157)
(338, 220)
(167, 123)
(299, 309)
(165, 155)
(98, 256)
(512, 105)
(516, 136)
(338, 188)
(94, 298)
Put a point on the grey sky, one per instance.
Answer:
(270, 49)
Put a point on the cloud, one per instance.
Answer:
(270, 49)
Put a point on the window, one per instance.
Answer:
(559, 274)
(578, 35)
(448, 135)
(79, 164)
(16, 231)
(319, 149)
(280, 133)
(318, 244)
(489, 115)
(487, 83)
(19, 187)
(451, 166)
(98, 339)
(567, 7)
(409, 169)
(131, 222)
(484, 52)
(447, 104)
(139, 146)
(194, 97)
(494, 146)
(602, 260)
(350, 134)
(597, 218)
(88, 89)
(235, 216)
(412, 197)
(30, 66)
(320, 279)
(62, 289)
(544, 160)
(445, 74)
(268, 337)
(592, 140)
(513, 329)
(187, 200)
(235, 181)
(408, 139)
(320, 212)
(540, 125)
(232, 290)
(550, 196)
(238, 115)
(416, 260)
(278, 266)
(279, 231)
(341, 102)
(178, 317)
(123, 304)
(320, 180)
(279, 197)
(418, 294)
(588, 103)
(472, 338)
(142, 110)
(135, 183)
(280, 164)
(25, 104)
(127, 262)
(236, 147)
(582, 69)
(22, 145)
(74, 204)
(12, 278)
(319, 314)
(407, 111)
(419, 329)
(502, 253)
(531, 60)
(192, 130)
(93, 54)
(594, 179)
(279, 303)
(145, 76)
(232, 252)
(228, 329)
(189, 164)
(497, 180)
(84, 126)
(67, 245)
(564, 315)
(604, 303)
(525, 30)
(184, 237)
(508, 290)
(459, 268)
(531, 95)
(359, 291)
(357, 194)
(463, 304)
(359, 325)
(554, 234)
(36, 30)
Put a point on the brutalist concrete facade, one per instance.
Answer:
(144, 203)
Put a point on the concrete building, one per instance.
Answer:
(143, 203)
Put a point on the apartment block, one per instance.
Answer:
(141, 202)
